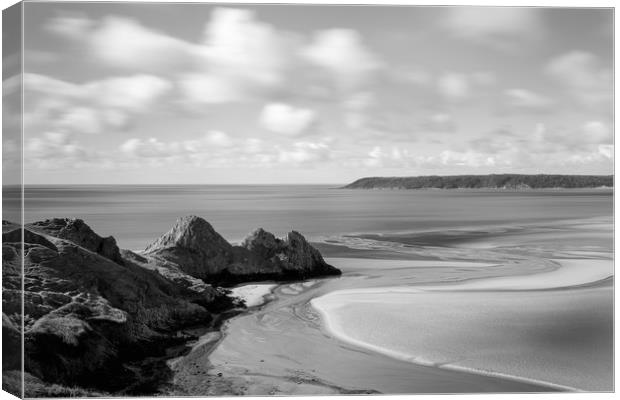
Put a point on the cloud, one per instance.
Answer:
(286, 119)
(150, 148)
(238, 58)
(454, 86)
(74, 26)
(218, 149)
(394, 158)
(211, 143)
(413, 75)
(440, 122)
(581, 74)
(356, 108)
(467, 158)
(342, 53)
(218, 138)
(54, 150)
(527, 100)
(606, 150)
(108, 41)
(212, 89)
(91, 107)
(304, 153)
(458, 86)
(237, 43)
(498, 27)
(597, 132)
(134, 93)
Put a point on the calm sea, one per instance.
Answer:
(136, 215)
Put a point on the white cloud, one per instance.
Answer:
(91, 107)
(527, 100)
(286, 119)
(237, 43)
(467, 158)
(82, 119)
(74, 26)
(596, 132)
(395, 157)
(606, 150)
(56, 149)
(454, 86)
(582, 76)
(305, 152)
(239, 58)
(212, 89)
(440, 122)
(218, 139)
(458, 86)
(500, 27)
(342, 53)
(125, 43)
(132, 93)
(150, 148)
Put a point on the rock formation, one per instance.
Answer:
(87, 315)
(93, 311)
(198, 250)
(76, 231)
(195, 246)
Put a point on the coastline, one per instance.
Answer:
(296, 297)
(346, 315)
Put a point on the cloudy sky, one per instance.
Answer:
(196, 93)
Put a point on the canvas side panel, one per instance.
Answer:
(12, 212)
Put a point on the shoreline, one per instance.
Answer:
(328, 329)
(208, 347)
(350, 303)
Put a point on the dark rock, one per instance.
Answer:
(76, 231)
(86, 315)
(262, 243)
(90, 309)
(12, 344)
(195, 246)
(199, 251)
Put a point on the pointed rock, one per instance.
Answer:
(302, 257)
(195, 246)
(289, 258)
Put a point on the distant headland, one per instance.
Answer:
(492, 181)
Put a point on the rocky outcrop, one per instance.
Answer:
(76, 231)
(199, 251)
(87, 310)
(92, 311)
(195, 246)
(292, 257)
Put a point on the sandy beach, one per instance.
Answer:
(507, 315)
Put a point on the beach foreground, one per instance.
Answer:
(511, 318)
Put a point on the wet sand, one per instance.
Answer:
(283, 349)
(530, 316)
(538, 330)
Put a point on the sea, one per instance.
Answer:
(137, 214)
(448, 290)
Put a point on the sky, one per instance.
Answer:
(210, 94)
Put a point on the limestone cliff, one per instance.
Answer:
(198, 250)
